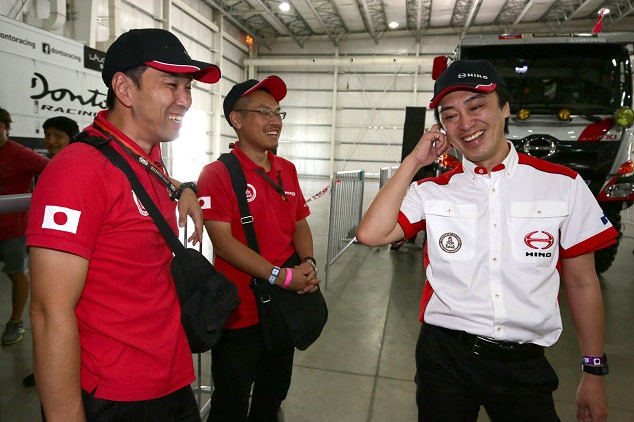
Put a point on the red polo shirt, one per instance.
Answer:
(18, 166)
(133, 346)
(273, 218)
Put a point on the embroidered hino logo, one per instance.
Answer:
(139, 205)
(450, 242)
(539, 241)
(471, 75)
(251, 193)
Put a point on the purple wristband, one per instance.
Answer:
(594, 360)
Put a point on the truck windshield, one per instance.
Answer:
(585, 78)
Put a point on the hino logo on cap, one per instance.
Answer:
(471, 75)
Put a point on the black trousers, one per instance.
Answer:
(179, 406)
(240, 361)
(452, 383)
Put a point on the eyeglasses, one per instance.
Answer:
(268, 114)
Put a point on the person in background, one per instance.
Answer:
(240, 360)
(18, 166)
(108, 343)
(58, 131)
(503, 231)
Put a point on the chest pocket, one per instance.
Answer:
(534, 231)
(451, 230)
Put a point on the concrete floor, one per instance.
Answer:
(362, 367)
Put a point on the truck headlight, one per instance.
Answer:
(619, 190)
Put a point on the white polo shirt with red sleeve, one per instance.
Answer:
(495, 241)
(274, 219)
(133, 346)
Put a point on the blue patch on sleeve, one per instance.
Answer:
(604, 219)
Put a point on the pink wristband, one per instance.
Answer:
(289, 277)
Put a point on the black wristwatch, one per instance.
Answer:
(182, 187)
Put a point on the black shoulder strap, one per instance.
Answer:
(103, 145)
(239, 183)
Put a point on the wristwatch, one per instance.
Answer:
(312, 262)
(182, 187)
(274, 273)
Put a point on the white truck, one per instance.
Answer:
(571, 105)
(46, 75)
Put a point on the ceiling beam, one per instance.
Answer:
(373, 14)
(329, 18)
(418, 16)
(287, 20)
(242, 24)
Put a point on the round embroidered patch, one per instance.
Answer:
(450, 242)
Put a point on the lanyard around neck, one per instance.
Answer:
(159, 173)
(279, 188)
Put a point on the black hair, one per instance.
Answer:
(5, 118)
(135, 74)
(66, 125)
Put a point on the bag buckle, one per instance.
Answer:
(246, 220)
(266, 299)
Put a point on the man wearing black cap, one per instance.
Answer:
(503, 231)
(108, 341)
(279, 211)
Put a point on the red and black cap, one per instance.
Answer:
(158, 49)
(471, 75)
(273, 84)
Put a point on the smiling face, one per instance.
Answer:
(55, 140)
(156, 107)
(474, 123)
(255, 129)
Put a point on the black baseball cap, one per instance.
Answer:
(471, 75)
(273, 84)
(158, 49)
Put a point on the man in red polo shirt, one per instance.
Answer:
(240, 361)
(18, 166)
(108, 341)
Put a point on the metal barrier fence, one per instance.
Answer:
(346, 207)
(386, 174)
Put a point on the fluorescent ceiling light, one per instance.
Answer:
(393, 25)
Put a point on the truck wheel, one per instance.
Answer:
(603, 258)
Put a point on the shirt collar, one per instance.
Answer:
(101, 119)
(508, 165)
(248, 164)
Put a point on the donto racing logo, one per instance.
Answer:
(450, 242)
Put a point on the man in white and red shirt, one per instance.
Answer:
(503, 231)
(108, 339)
(240, 360)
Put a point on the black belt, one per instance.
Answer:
(486, 348)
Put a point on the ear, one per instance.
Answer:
(236, 119)
(506, 110)
(122, 86)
